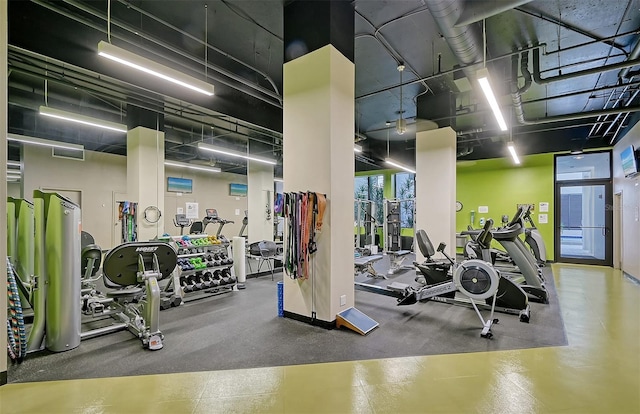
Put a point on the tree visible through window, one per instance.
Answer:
(370, 188)
(405, 190)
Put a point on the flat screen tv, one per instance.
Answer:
(628, 159)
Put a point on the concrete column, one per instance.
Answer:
(260, 201)
(318, 156)
(436, 187)
(4, 20)
(145, 177)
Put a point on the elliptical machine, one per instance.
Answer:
(534, 239)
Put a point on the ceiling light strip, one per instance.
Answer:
(14, 164)
(82, 119)
(192, 167)
(396, 164)
(514, 155)
(44, 142)
(485, 84)
(150, 67)
(224, 151)
(357, 148)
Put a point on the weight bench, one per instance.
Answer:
(364, 265)
(396, 260)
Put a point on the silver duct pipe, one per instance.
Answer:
(463, 41)
(635, 54)
(516, 93)
(474, 11)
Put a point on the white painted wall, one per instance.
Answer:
(14, 189)
(97, 178)
(630, 209)
(210, 190)
(102, 175)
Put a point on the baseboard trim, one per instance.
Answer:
(632, 278)
(310, 321)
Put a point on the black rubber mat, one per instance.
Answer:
(241, 330)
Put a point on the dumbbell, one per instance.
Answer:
(194, 280)
(217, 281)
(207, 279)
(225, 277)
(186, 286)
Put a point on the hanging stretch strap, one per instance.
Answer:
(303, 213)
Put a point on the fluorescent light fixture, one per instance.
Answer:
(278, 180)
(192, 167)
(398, 165)
(82, 119)
(483, 80)
(207, 147)
(15, 164)
(44, 142)
(14, 173)
(357, 148)
(512, 150)
(150, 67)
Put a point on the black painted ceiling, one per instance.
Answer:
(56, 42)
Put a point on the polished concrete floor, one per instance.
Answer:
(598, 372)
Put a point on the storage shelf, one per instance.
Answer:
(214, 268)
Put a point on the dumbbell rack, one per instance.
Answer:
(205, 285)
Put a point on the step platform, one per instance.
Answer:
(355, 320)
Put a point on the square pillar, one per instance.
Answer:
(436, 187)
(4, 24)
(319, 120)
(260, 201)
(145, 177)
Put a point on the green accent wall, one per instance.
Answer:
(501, 186)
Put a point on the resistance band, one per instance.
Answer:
(303, 214)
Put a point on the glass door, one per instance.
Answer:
(584, 214)
(584, 232)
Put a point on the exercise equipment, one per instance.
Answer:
(527, 272)
(245, 222)
(510, 298)
(475, 279)
(129, 266)
(355, 320)
(522, 257)
(182, 221)
(393, 238)
(363, 265)
(304, 213)
(200, 261)
(128, 216)
(534, 239)
(366, 226)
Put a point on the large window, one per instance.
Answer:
(404, 186)
(370, 188)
